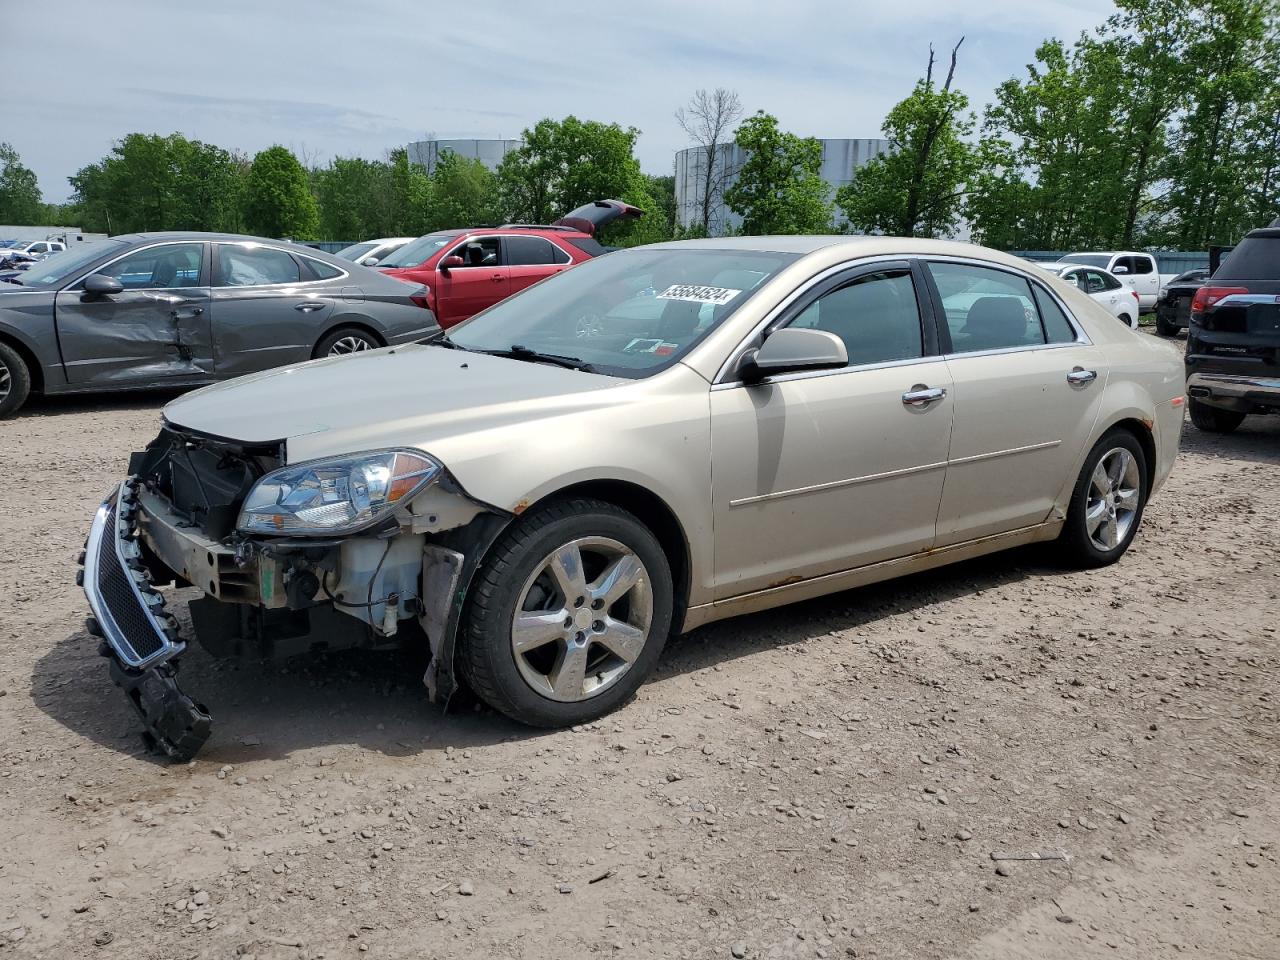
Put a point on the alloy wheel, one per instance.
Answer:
(6, 381)
(349, 344)
(582, 619)
(1112, 505)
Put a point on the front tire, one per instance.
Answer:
(15, 380)
(1107, 502)
(1214, 419)
(568, 614)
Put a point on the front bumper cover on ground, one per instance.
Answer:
(138, 635)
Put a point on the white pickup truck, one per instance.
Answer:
(1137, 271)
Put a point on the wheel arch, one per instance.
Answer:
(1142, 429)
(360, 323)
(651, 510)
(28, 355)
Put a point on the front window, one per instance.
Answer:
(1088, 259)
(629, 314)
(417, 251)
(876, 316)
(67, 265)
(155, 268)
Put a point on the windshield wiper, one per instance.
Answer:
(518, 351)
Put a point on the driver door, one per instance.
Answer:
(822, 471)
(155, 331)
(483, 280)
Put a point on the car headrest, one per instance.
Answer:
(679, 319)
(996, 321)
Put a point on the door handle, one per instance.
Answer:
(309, 306)
(922, 396)
(193, 312)
(1081, 375)
(496, 278)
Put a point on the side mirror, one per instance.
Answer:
(96, 285)
(448, 263)
(791, 349)
(1119, 271)
(369, 262)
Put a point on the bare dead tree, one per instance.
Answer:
(915, 188)
(707, 121)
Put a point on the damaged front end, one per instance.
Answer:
(326, 555)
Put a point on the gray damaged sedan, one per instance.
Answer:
(185, 309)
(538, 501)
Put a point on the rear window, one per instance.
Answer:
(1256, 257)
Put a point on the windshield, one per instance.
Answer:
(418, 251)
(355, 251)
(9, 244)
(64, 265)
(628, 314)
(1088, 259)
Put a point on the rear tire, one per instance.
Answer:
(1214, 419)
(1128, 321)
(15, 380)
(1107, 502)
(521, 580)
(345, 340)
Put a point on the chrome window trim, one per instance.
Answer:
(262, 286)
(130, 252)
(721, 381)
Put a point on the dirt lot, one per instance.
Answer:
(821, 781)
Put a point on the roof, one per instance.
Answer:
(854, 246)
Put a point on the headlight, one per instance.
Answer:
(335, 496)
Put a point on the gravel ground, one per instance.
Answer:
(831, 779)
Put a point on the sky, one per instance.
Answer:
(350, 78)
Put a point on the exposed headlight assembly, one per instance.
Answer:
(339, 495)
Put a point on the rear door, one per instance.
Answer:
(480, 282)
(530, 259)
(1027, 390)
(268, 310)
(154, 331)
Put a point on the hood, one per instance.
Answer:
(411, 395)
(591, 218)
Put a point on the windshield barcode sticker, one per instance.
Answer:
(693, 293)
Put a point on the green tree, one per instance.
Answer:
(566, 163)
(779, 188)
(150, 182)
(277, 199)
(1221, 143)
(463, 192)
(918, 188)
(345, 193)
(20, 201)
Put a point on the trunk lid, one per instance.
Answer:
(591, 218)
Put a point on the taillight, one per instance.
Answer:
(1207, 296)
(1135, 295)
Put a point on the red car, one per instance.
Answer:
(466, 271)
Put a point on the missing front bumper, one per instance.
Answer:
(138, 635)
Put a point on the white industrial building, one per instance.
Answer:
(840, 158)
(426, 153)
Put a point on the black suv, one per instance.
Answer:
(1173, 309)
(1233, 343)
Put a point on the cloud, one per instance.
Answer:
(331, 77)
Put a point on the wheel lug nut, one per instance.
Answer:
(598, 626)
(568, 621)
(580, 637)
(597, 604)
(580, 601)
